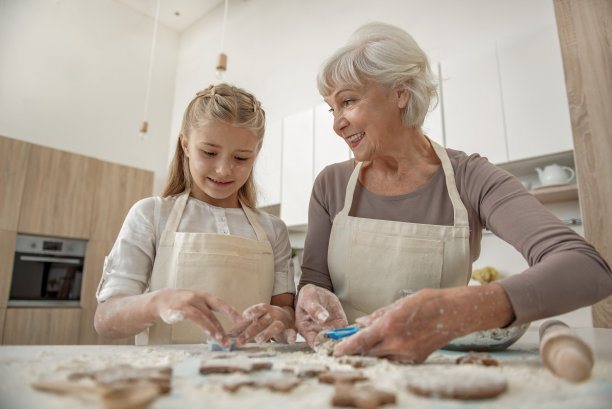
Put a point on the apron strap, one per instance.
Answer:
(459, 211)
(350, 190)
(174, 218)
(252, 218)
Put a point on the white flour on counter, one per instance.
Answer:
(529, 384)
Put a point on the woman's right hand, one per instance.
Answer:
(173, 305)
(317, 309)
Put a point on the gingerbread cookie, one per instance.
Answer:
(307, 370)
(457, 382)
(341, 377)
(125, 374)
(283, 385)
(358, 361)
(233, 365)
(361, 396)
(477, 358)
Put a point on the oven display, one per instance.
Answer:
(52, 245)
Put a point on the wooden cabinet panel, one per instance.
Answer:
(58, 194)
(13, 163)
(2, 316)
(7, 256)
(92, 271)
(117, 188)
(268, 166)
(41, 326)
(89, 336)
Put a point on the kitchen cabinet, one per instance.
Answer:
(297, 167)
(473, 111)
(41, 326)
(534, 96)
(268, 166)
(309, 145)
(58, 194)
(507, 100)
(117, 188)
(328, 146)
(13, 161)
(7, 255)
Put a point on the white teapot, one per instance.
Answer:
(555, 175)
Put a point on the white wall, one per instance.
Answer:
(73, 77)
(275, 47)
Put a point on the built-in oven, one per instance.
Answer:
(47, 272)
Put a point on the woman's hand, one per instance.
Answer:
(413, 327)
(317, 309)
(174, 305)
(263, 322)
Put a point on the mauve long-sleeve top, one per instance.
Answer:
(565, 272)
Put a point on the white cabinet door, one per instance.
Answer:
(534, 94)
(268, 166)
(297, 167)
(473, 113)
(328, 146)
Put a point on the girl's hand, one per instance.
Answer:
(318, 309)
(263, 322)
(174, 305)
(413, 327)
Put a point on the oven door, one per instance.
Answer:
(46, 280)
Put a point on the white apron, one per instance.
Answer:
(372, 263)
(238, 270)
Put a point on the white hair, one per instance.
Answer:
(386, 55)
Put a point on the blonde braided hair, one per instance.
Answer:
(224, 103)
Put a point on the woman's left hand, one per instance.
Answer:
(263, 322)
(413, 327)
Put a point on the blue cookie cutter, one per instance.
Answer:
(340, 333)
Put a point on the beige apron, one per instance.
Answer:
(372, 263)
(238, 270)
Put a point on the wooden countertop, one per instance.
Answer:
(530, 384)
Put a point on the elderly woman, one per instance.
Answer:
(392, 235)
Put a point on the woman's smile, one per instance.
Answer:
(354, 139)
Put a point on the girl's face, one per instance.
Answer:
(368, 117)
(221, 158)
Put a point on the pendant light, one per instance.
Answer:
(222, 59)
(144, 126)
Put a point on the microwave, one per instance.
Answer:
(47, 271)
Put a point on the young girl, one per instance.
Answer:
(202, 247)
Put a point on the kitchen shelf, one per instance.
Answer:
(552, 194)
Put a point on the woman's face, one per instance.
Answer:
(221, 158)
(367, 117)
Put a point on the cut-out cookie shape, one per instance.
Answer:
(361, 396)
(341, 377)
(358, 361)
(477, 358)
(307, 370)
(283, 385)
(456, 382)
(125, 374)
(233, 365)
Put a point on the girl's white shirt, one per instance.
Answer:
(127, 269)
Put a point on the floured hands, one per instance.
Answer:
(263, 322)
(413, 327)
(175, 305)
(318, 309)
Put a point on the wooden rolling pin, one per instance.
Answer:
(564, 353)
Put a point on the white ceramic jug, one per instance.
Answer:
(555, 175)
